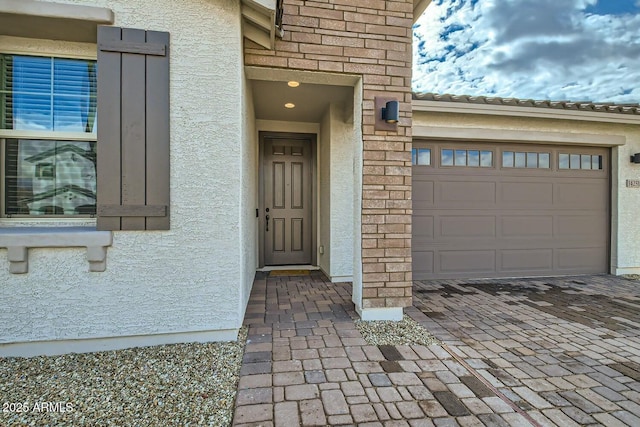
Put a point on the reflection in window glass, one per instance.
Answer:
(574, 161)
(43, 93)
(486, 159)
(580, 161)
(473, 158)
(447, 158)
(516, 159)
(414, 156)
(596, 162)
(507, 159)
(563, 161)
(47, 177)
(424, 156)
(543, 160)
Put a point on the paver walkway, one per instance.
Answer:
(547, 352)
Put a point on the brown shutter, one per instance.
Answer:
(133, 129)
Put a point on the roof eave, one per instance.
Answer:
(419, 6)
(519, 111)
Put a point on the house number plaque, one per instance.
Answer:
(633, 183)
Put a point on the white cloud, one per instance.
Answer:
(543, 49)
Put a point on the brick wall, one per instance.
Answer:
(371, 38)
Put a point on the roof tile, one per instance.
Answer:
(601, 107)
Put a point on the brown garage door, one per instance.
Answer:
(487, 210)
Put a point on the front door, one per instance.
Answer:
(287, 212)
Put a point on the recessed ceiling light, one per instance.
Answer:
(293, 83)
(289, 105)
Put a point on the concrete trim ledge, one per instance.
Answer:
(90, 345)
(56, 21)
(388, 313)
(618, 271)
(100, 15)
(18, 241)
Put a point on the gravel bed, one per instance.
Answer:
(405, 332)
(631, 276)
(181, 384)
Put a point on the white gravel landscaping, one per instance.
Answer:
(405, 332)
(169, 385)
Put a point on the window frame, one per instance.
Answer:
(580, 155)
(416, 151)
(472, 148)
(45, 49)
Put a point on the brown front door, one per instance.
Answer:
(287, 213)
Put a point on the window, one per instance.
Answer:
(579, 161)
(472, 158)
(517, 159)
(49, 120)
(47, 136)
(421, 156)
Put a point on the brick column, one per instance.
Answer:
(371, 38)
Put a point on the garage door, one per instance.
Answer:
(487, 210)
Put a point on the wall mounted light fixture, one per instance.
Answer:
(635, 158)
(387, 112)
(391, 112)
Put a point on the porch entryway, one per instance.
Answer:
(287, 198)
(306, 175)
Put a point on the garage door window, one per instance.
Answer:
(469, 158)
(579, 161)
(521, 159)
(421, 156)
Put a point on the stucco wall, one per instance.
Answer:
(337, 141)
(324, 186)
(625, 232)
(342, 188)
(192, 277)
(248, 220)
(625, 257)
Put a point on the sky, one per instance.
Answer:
(562, 50)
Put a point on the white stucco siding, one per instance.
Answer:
(356, 169)
(343, 139)
(626, 200)
(324, 186)
(189, 278)
(249, 201)
(336, 194)
(624, 139)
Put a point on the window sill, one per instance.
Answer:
(53, 21)
(18, 240)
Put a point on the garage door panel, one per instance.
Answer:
(585, 227)
(422, 264)
(425, 189)
(479, 261)
(575, 195)
(581, 259)
(515, 226)
(423, 227)
(467, 226)
(465, 193)
(509, 220)
(534, 193)
(526, 260)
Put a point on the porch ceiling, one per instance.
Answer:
(310, 100)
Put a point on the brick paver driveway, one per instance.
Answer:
(561, 350)
(538, 352)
